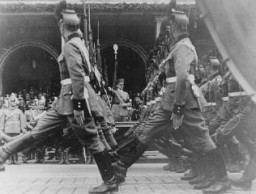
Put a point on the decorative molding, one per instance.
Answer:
(103, 7)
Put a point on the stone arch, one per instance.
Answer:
(129, 44)
(29, 43)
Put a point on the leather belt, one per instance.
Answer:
(225, 99)
(68, 80)
(170, 80)
(158, 99)
(210, 104)
(237, 94)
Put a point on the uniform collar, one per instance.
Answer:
(180, 37)
(73, 36)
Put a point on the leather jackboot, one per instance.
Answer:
(66, 156)
(107, 173)
(249, 175)
(110, 138)
(220, 186)
(200, 172)
(210, 177)
(127, 160)
(182, 167)
(18, 144)
(222, 183)
(5, 137)
(243, 183)
(61, 156)
(39, 156)
(190, 175)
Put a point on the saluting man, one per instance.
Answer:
(121, 102)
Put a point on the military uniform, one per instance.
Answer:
(120, 97)
(242, 126)
(181, 98)
(74, 70)
(212, 93)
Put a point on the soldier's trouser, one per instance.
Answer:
(50, 127)
(223, 115)
(243, 127)
(193, 127)
(195, 133)
(233, 148)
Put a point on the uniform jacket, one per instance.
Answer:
(120, 97)
(74, 64)
(179, 63)
(13, 121)
(212, 90)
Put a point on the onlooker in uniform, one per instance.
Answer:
(13, 122)
(121, 102)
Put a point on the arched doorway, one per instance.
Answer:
(131, 64)
(29, 64)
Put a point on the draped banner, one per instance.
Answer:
(232, 24)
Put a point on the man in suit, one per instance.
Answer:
(77, 101)
(179, 108)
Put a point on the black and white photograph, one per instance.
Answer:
(127, 96)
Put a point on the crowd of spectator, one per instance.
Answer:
(19, 113)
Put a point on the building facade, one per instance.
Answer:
(30, 40)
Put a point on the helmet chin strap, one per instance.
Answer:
(62, 31)
(172, 32)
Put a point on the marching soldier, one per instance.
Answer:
(74, 70)
(180, 108)
(212, 90)
(242, 126)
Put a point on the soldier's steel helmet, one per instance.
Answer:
(179, 17)
(69, 17)
(213, 61)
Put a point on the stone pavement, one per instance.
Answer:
(79, 178)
